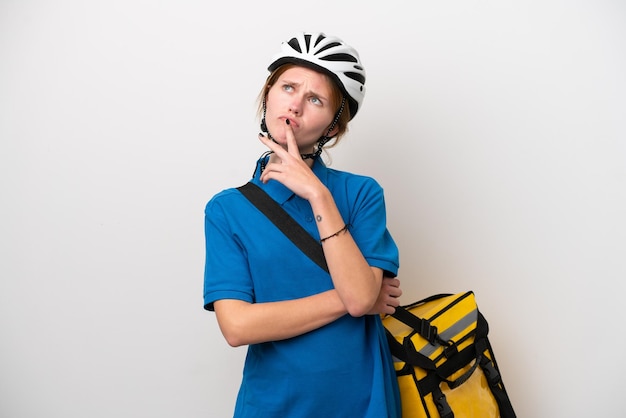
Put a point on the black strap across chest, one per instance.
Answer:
(292, 229)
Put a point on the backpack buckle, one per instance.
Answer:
(428, 331)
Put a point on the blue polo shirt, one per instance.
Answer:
(343, 369)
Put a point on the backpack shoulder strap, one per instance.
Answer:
(292, 229)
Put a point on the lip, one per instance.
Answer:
(292, 122)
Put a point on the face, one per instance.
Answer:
(302, 96)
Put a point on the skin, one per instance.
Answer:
(298, 113)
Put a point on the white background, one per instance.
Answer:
(495, 127)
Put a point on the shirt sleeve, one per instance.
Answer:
(368, 226)
(226, 274)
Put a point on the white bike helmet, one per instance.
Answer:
(330, 55)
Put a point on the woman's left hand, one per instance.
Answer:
(290, 169)
(388, 298)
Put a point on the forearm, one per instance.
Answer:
(357, 284)
(245, 323)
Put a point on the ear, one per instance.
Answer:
(334, 132)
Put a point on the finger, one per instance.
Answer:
(292, 145)
(394, 292)
(384, 310)
(389, 310)
(273, 146)
(393, 302)
(391, 281)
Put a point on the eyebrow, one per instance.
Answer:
(314, 93)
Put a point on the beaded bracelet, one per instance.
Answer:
(344, 229)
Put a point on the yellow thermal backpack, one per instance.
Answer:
(443, 360)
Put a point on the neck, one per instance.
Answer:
(276, 159)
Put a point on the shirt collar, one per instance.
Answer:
(277, 190)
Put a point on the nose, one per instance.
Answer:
(294, 107)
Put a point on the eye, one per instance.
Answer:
(288, 87)
(316, 101)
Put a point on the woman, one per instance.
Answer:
(317, 347)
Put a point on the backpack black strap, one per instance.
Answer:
(422, 326)
(292, 229)
(490, 369)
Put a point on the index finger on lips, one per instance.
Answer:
(292, 146)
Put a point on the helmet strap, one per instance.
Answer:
(325, 138)
(263, 124)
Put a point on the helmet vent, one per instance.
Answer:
(319, 39)
(330, 45)
(295, 44)
(355, 76)
(339, 57)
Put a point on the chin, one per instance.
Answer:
(280, 140)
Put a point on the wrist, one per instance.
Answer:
(320, 196)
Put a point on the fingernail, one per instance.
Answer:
(287, 121)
